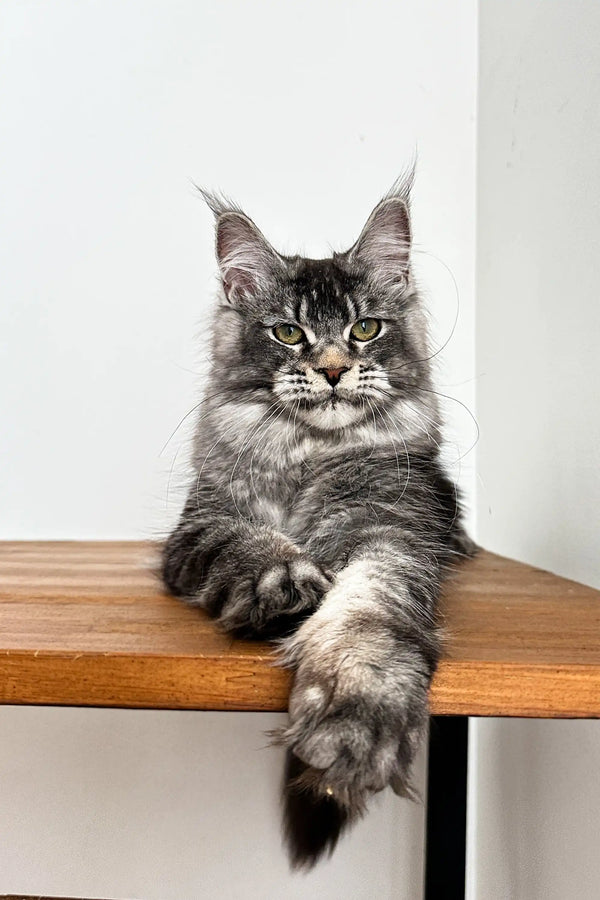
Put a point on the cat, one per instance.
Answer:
(320, 513)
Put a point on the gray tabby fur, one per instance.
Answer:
(322, 513)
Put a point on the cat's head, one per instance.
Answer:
(333, 341)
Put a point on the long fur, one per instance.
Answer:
(321, 515)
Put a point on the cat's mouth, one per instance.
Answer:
(337, 398)
(332, 412)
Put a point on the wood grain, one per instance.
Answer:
(88, 624)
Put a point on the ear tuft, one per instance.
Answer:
(385, 241)
(246, 259)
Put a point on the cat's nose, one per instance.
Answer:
(333, 375)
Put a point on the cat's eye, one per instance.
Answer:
(365, 329)
(288, 334)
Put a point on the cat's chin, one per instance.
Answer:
(330, 417)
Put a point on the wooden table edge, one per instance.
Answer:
(256, 684)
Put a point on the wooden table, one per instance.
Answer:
(88, 624)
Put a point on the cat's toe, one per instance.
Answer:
(307, 582)
(286, 594)
(356, 733)
(350, 749)
(274, 604)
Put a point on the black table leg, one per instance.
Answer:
(446, 839)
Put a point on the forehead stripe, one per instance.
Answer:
(303, 309)
(352, 307)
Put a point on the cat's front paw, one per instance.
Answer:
(273, 601)
(358, 710)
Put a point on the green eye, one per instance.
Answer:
(288, 334)
(365, 329)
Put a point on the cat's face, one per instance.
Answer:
(330, 342)
(333, 342)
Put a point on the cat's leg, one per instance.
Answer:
(253, 579)
(358, 708)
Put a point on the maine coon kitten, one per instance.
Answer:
(320, 510)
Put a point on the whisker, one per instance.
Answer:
(262, 433)
(374, 428)
(223, 392)
(460, 403)
(171, 470)
(199, 475)
(400, 435)
(245, 443)
(395, 450)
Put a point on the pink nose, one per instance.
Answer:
(333, 375)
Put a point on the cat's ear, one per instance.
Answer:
(384, 243)
(247, 261)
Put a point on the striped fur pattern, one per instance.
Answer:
(319, 514)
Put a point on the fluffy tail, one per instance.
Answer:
(312, 822)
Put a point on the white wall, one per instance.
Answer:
(156, 805)
(536, 797)
(305, 112)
